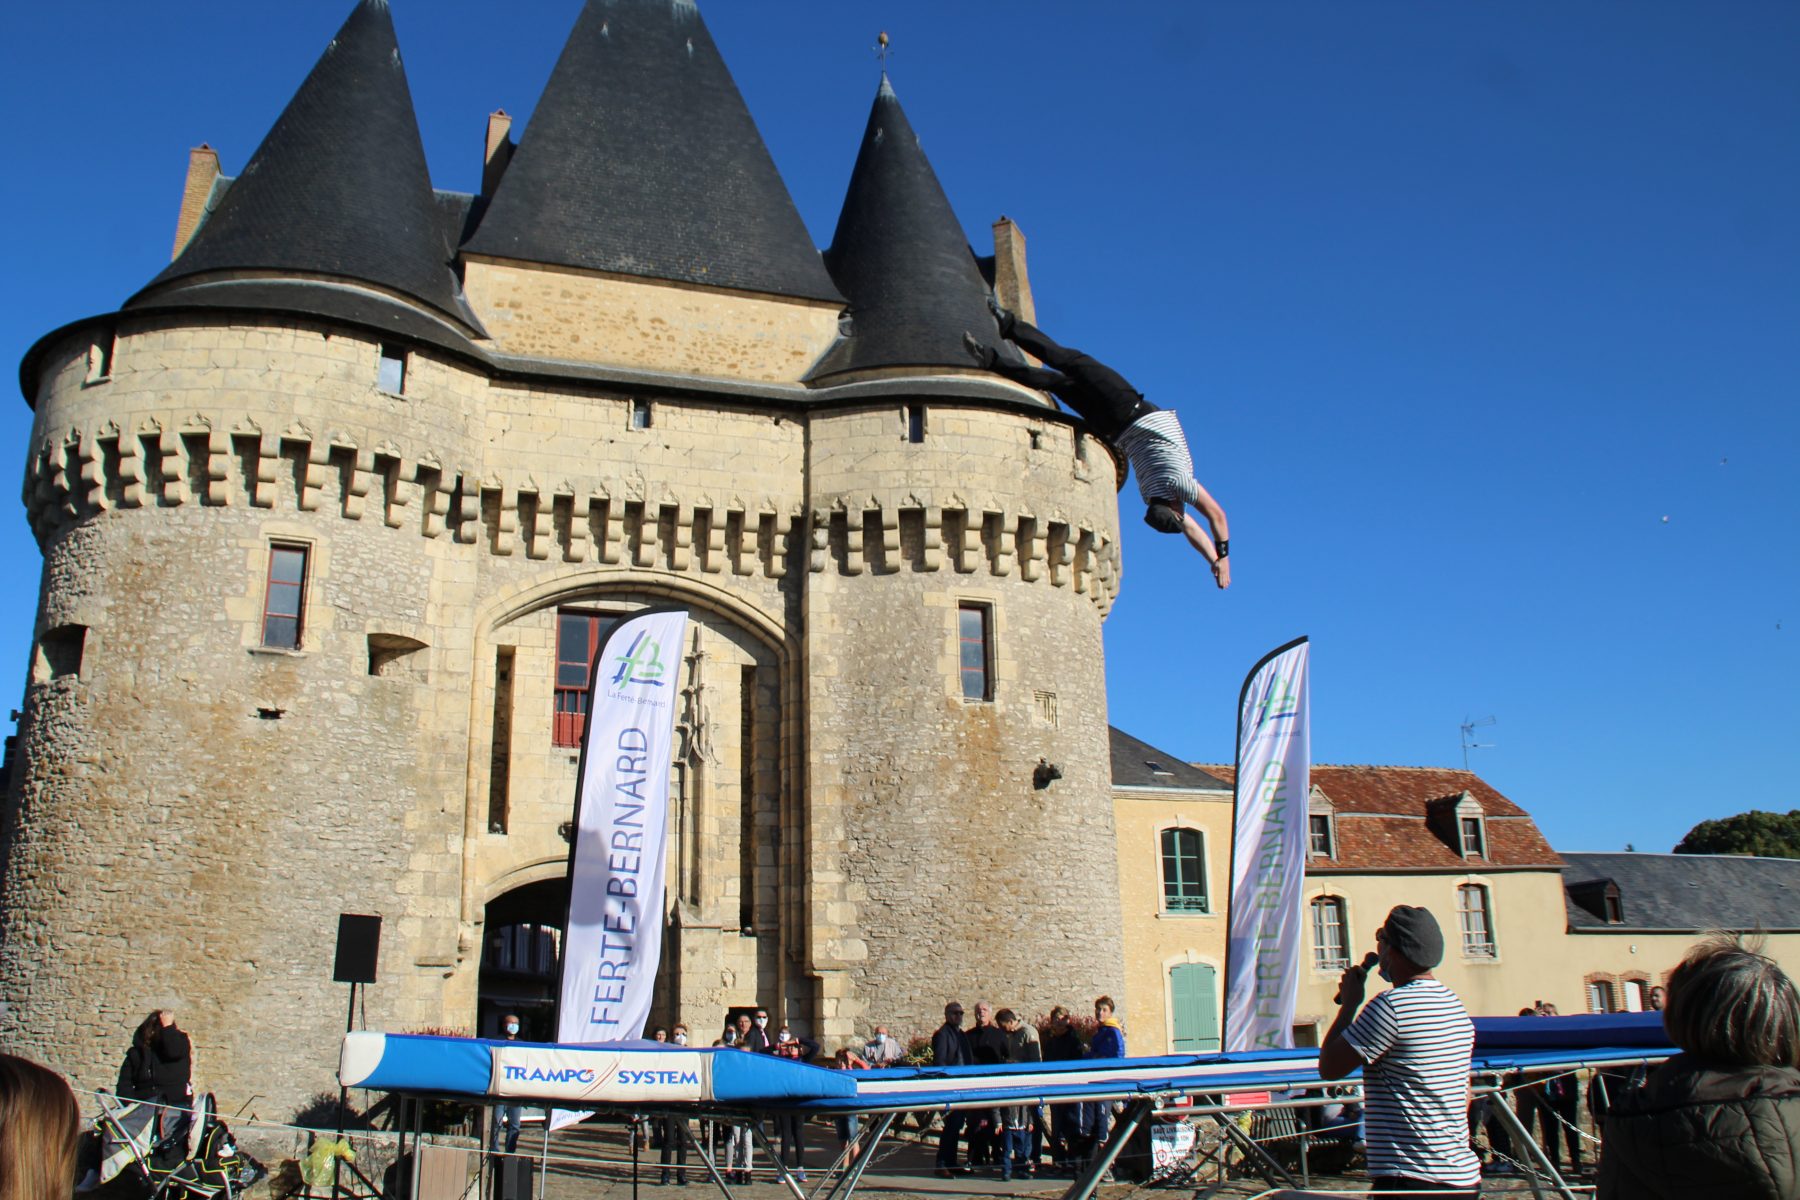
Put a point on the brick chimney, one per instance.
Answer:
(1012, 286)
(202, 173)
(499, 150)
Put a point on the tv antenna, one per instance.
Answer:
(1468, 736)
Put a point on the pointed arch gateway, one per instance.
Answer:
(735, 871)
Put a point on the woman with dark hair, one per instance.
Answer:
(160, 1065)
(38, 1126)
(1722, 1118)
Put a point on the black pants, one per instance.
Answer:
(1097, 393)
(790, 1127)
(674, 1146)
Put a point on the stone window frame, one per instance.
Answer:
(1320, 808)
(1608, 992)
(987, 610)
(566, 731)
(640, 414)
(102, 356)
(1341, 903)
(1485, 892)
(303, 588)
(1207, 908)
(913, 427)
(392, 379)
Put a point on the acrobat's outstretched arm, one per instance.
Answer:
(1217, 553)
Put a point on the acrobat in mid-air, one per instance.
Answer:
(1150, 437)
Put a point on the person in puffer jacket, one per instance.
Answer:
(1721, 1119)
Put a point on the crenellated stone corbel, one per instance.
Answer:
(934, 538)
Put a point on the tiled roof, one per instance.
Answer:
(1139, 764)
(1381, 821)
(642, 159)
(1689, 892)
(339, 187)
(901, 258)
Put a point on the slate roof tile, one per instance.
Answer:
(339, 187)
(641, 159)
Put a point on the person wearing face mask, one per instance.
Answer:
(1413, 1042)
(681, 1035)
(754, 1033)
(507, 1117)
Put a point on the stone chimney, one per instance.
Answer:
(202, 173)
(1012, 286)
(499, 150)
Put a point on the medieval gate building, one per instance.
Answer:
(336, 508)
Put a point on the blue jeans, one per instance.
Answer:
(509, 1117)
(1015, 1152)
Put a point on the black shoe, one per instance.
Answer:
(1002, 317)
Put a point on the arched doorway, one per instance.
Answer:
(521, 947)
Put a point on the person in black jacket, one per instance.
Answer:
(159, 1068)
(1722, 1118)
(1068, 1143)
(160, 1065)
(950, 1048)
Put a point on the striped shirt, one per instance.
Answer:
(1416, 1040)
(1159, 454)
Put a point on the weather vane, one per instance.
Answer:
(882, 49)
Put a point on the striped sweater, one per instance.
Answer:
(1417, 1040)
(1158, 451)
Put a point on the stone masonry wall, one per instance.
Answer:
(192, 811)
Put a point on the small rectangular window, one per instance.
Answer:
(977, 652)
(391, 377)
(915, 423)
(59, 653)
(578, 638)
(640, 414)
(284, 601)
(1471, 837)
(1184, 874)
(1318, 828)
(1329, 953)
(1476, 921)
(100, 356)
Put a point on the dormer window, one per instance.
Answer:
(1321, 826)
(1461, 823)
(1601, 898)
(1473, 843)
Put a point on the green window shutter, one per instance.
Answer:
(1194, 997)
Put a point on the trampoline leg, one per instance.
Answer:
(1089, 1179)
(1267, 1167)
(781, 1170)
(1542, 1160)
(706, 1159)
(848, 1182)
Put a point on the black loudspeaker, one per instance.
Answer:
(514, 1177)
(358, 946)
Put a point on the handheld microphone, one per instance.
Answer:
(1367, 965)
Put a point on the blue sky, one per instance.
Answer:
(1457, 301)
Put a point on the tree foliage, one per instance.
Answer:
(1767, 834)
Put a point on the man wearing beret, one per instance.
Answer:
(1413, 1042)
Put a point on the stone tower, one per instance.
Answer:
(334, 510)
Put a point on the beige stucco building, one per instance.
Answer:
(1522, 923)
(336, 510)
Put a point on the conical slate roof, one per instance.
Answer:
(901, 258)
(339, 186)
(641, 159)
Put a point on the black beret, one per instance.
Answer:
(1414, 932)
